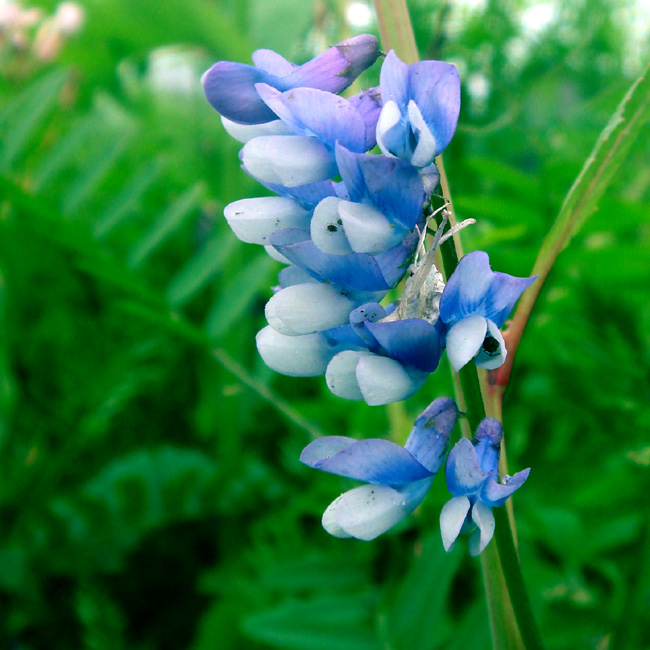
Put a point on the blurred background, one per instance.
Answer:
(151, 496)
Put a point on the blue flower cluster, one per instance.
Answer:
(398, 478)
(349, 225)
(347, 242)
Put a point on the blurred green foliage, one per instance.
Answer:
(150, 492)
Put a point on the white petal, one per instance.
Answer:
(452, 518)
(253, 220)
(306, 308)
(276, 322)
(367, 229)
(492, 360)
(370, 510)
(329, 520)
(327, 228)
(484, 519)
(341, 375)
(296, 356)
(289, 160)
(383, 380)
(275, 254)
(464, 340)
(390, 116)
(425, 150)
(246, 132)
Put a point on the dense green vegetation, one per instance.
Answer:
(150, 491)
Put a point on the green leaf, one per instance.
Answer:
(165, 226)
(416, 614)
(342, 622)
(239, 293)
(21, 118)
(199, 270)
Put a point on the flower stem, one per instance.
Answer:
(511, 620)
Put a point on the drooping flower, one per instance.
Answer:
(230, 87)
(474, 305)
(397, 478)
(472, 473)
(421, 103)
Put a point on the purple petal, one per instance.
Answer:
(463, 471)
(467, 288)
(273, 63)
(355, 271)
(429, 439)
(496, 494)
(502, 295)
(338, 67)
(374, 461)
(435, 88)
(316, 113)
(452, 518)
(487, 442)
(484, 519)
(230, 89)
(413, 342)
(368, 104)
(393, 80)
(370, 510)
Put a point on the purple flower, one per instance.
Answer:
(397, 478)
(474, 305)
(421, 103)
(472, 473)
(230, 87)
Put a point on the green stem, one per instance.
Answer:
(511, 621)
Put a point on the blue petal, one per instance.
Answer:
(435, 88)
(394, 262)
(463, 471)
(393, 80)
(503, 294)
(374, 461)
(429, 439)
(394, 187)
(356, 271)
(465, 292)
(273, 63)
(309, 195)
(370, 510)
(338, 67)
(496, 494)
(452, 518)
(487, 442)
(413, 342)
(230, 89)
(323, 448)
(312, 112)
